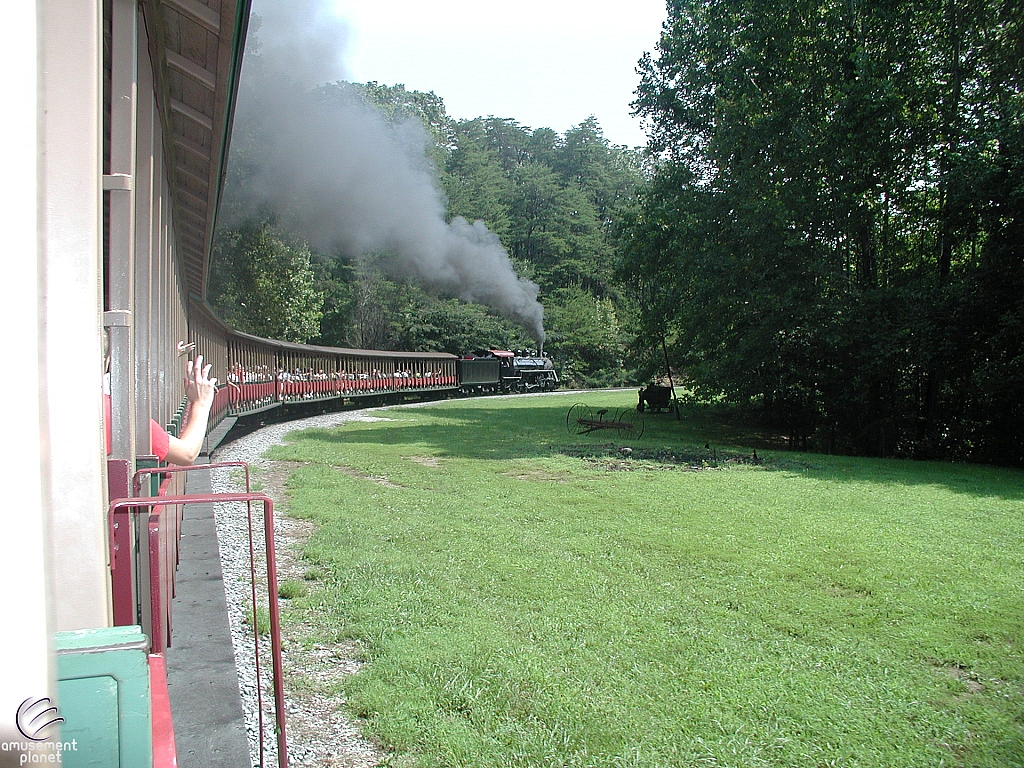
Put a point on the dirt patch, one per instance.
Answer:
(538, 475)
(844, 590)
(426, 461)
(273, 475)
(615, 458)
(965, 676)
(352, 472)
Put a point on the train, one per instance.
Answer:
(120, 122)
(261, 374)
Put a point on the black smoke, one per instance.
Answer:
(334, 170)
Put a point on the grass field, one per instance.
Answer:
(527, 597)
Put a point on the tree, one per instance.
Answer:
(508, 140)
(586, 338)
(555, 227)
(814, 240)
(362, 305)
(605, 173)
(263, 283)
(474, 181)
(449, 325)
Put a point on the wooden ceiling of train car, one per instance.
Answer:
(197, 49)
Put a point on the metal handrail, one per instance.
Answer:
(137, 504)
(136, 489)
(137, 478)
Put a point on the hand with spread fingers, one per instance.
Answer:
(199, 387)
(200, 390)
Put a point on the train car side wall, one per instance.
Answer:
(478, 374)
(107, 224)
(70, 309)
(26, 527)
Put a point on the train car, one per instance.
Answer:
(119, 115)
(263, 374)
(479, 375)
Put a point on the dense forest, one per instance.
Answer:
(553, 200)
(833, 236)
(825, 230)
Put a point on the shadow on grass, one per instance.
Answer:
(519, 429)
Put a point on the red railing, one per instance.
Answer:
(245, 398)
(221, 405)
(137, 478)
(164, 751)
(164, 536)
(162, 574)
(252, 396)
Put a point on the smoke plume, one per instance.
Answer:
(335, 171)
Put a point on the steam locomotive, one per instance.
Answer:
(502, 371)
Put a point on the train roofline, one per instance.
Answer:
(206, 309)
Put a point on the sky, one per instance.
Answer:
(543, 63)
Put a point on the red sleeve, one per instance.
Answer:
(159, 440)
(108, 414)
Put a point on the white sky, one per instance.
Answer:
(544, 63)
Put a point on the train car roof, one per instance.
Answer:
(368, 352)
(200, 307)
(197, 51)
(288, 346)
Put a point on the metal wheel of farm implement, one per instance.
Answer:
(577, 417)
(630, 424)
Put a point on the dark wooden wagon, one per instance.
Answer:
(656, 398)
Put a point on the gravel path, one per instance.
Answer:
(320, 733)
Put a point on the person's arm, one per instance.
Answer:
(200, 390)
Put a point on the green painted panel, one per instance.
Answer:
(89, 709)
(150, 482)
(103, 683)
(103, 638)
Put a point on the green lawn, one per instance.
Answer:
(526, 597)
